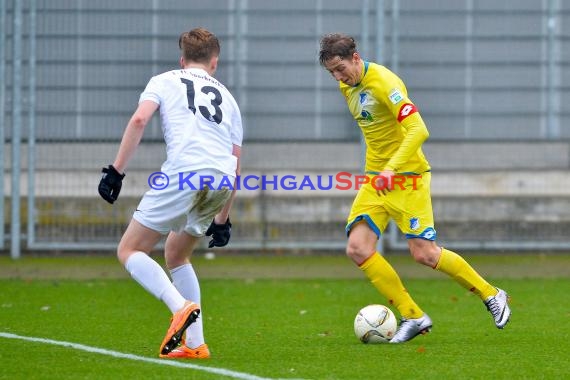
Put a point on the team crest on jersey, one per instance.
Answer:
(414, 224)
(364, 100)
(395, 96)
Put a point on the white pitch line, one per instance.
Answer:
(116, 354)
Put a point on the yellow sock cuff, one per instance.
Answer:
(455, 266)
(385, 279)
(370, 261)
(445, 259)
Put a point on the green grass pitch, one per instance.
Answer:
(280, 317)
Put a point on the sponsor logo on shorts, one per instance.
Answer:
(428, 234)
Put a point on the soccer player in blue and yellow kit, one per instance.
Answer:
(394, 132)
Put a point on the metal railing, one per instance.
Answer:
(269, 61)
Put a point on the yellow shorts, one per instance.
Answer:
(408, 204)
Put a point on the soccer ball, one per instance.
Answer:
(375, 324)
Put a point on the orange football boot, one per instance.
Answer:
(179, 323)
(185, 352)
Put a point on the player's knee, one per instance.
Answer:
(174, 261)
(426, 254)
(123, 253)
(357, 252)
(122, 256)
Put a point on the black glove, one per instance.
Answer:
(220, 233)
(110, 184)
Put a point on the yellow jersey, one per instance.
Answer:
(392, 127)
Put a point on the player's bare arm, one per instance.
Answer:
(224, 214)
(133, 133)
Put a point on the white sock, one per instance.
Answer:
(185, 280)
(150, 275)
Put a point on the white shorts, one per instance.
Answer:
(184, 205)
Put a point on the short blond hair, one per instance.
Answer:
(199, 45)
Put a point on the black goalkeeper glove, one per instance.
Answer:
(220, 233)
(110, 184)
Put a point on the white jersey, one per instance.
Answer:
(200, 121)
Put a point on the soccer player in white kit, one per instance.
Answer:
(202, 128)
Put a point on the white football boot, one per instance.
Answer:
(410, 328)
(498, 306)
